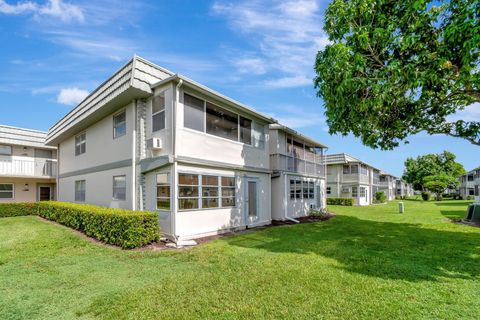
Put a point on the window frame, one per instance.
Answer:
(113, 187)
(12, 192)
(80, 143)
(84, 190)
(162, 94)
(239, 128)
(167, 184)
(115, 136)
(8, 146)
(354, 194)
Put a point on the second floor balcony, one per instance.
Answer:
(313, 167)
(35, 167)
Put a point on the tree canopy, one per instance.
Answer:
(396, 68)
(433, 167)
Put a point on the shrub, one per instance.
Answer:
(380, 197)
(340, 201)
(124, 228)
(425, 196)
(18, 209)
(470, 198)
(322, 213)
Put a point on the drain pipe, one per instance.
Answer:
(285, 209)
(174, 203)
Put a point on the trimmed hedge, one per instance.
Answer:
(124, 228)
(17, 209)
(340, 201)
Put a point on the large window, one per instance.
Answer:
(158, 113)
(188, 185)
(221, 122)
(194, 113)
(6, 191)
(363, 192)
(5, 150)
(119, 188)
(80, 143)
(206, 117)
(163, 191)
(205, 191)
(302, 189)
(354, 192)
(80, 189)
(119, 124)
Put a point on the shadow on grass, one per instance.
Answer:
(377, 249)
(460, 204)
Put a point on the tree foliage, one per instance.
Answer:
(429, 167)
(439, 183)
(396, 68)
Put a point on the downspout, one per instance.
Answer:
(285, 210)
(134, 155)
(174, 203)
(57, 178)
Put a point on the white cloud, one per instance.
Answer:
(250, 65)
(71, 96)
(287, 36)
(297, 117)
(470, 113)
(288, 82)
(52, 8)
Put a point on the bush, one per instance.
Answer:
(400, 197)
(340, 201)
(124, 228)
(470, 198)
(322, 213)
(17, 209)
(380, 197)
(425, 196)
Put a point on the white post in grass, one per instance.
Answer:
(401, 207)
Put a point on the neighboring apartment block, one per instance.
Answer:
(470, 184)
(403, 189)
(149, 139)
(298, 178)
(348, 177)
(28, 167)
(388, 184)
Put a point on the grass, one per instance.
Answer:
(367, 263)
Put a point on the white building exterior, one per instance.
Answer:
(28, 168)
(388, 185)
(470, 184)
(149, 139)
(299, 173)
(349, 177)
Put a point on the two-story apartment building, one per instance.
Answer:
(388, 185)
(298, 173)
(349, 177)
(28, 167)
(403, 188)
(149, 139)
(467, 183)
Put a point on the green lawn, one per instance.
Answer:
(366, 263)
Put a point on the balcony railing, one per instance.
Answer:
(29, 168)
(282, 162)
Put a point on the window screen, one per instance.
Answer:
(194, 113)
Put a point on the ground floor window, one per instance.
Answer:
(471, 192)
(329, 190)
(6, 191)
(302, 189)
(80, 189)
(354, 192)
(196, 191)
(119, 188)
(163, 191)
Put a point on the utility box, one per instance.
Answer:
(473, 212)
(401, 207)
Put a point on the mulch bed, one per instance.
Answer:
(308, 219)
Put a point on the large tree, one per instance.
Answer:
(439, 167)
(396, 68)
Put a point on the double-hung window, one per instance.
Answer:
(119, 124)
(210, 192)
(295, 189)
(5, 150)
(363, 192)
(6, 191)
(329, 190)
(158, 113)
(188, 191)
(119, 187)
(163, 191)
(228, 191)
(354, 192)
(80, 143)
(80, 189)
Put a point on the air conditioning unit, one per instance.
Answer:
(154, 143)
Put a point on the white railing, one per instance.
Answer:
(282, 162)
(29, 168)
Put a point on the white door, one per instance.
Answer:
(251, 201)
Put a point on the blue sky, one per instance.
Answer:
(259, 52)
